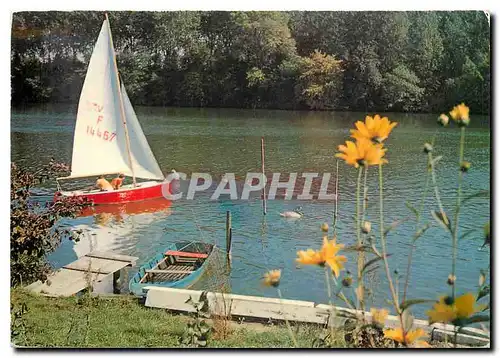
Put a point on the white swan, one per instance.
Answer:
(295, 214)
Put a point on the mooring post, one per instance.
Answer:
(335, 213)
(262, 158)
(116, 282)
(229, 234)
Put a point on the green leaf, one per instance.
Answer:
(476, 319)
(404, 305)
(364, 248)
(412, 208)
(407, 319)
(486, 307)
(437, 159)
(373, 261)
(484, 291)
(479, 194)
(465, 234)
(372, 269)
(420, 232)
(440, 220)
(394, 225)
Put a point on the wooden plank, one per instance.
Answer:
(87, 270)
(186, 254)
(112, 256)
(98, 265)
(67, 282)
(170, 271)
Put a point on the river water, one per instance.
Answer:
(219, 141)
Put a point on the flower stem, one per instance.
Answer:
(419, 214)
(329, 289)
(286, 320)
(382, 240)
(359, 242)
(457, 210)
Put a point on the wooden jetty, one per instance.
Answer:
(76, 276)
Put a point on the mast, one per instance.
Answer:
(122, 108)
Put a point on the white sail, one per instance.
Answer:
(100, 143)
(143, 160)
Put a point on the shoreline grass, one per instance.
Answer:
(122, 322)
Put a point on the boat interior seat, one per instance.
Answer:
(183, 254)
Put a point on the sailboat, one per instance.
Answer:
(108, 137)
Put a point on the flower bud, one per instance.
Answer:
(451, 280)
(427, 148)
(443, 120)
(482, 279)
(487, 237)
(367, 227)
(465, 166)
(347, 281)
(324, 227)
(449, 300)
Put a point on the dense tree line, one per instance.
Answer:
(384, 61)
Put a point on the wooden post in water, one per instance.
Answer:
(262, 158)
(229, 236)
(335, 214)
(116, 282)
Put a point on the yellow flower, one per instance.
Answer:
(374, 129)
(329, 254)
(465, 306)
(272, 278)
(441, 312)
(379, 315)
(310, 257)
(460, 113)
(363, 152)
(411, 338)
(447, 310)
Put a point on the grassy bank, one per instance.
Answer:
(123, 322)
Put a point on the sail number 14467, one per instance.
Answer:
(106, 135)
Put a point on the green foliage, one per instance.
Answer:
(17, 323)
(401, 90)
(403, 61)
(320, 80)
(197, 331)
(33, 234)
(123, 322)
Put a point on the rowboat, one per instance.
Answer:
(108, 138)
(180, 265)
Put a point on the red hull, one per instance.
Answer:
(131, 208)
(151, 191)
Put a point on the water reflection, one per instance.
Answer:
(104, 214)
(110, 228)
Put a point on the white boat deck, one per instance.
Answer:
(127, 187)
